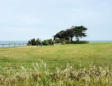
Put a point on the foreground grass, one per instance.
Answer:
(40, 75)
(91, 65)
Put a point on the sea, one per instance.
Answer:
(4, 44)
(12, 43)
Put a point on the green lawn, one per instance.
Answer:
(59, 55)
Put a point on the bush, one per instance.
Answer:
(80, 42)
(32, 42)
(63, 41)
(58, 41)
(48, 42)
(38, 42)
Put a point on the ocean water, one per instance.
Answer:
(24, 43)
(12, 43)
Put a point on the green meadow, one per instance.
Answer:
(75, 54)
(92, 61)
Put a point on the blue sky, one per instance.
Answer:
(26, 19)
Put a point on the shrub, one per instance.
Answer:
(32, 42)
(48, 42)
(38, 42)
(62, 41)
(51, 42)
(58, 40)
(80, 42)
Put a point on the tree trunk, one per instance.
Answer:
(71, 39)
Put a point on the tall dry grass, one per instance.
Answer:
(40, 75)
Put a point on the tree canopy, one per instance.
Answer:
(75, 31)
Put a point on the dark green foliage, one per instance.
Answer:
(58, 41)
(67, 35)
(80, 42)
(70, 34)
(48, 42)
(32, 42)
(38, 42)
(61, 35)
(79, 32)
(51, 42)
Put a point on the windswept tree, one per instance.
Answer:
(79, 32)
(69, 34)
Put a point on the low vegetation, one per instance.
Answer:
(38, 42)
(40, 75)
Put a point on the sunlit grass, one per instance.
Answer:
(93, 53)
(79, 56)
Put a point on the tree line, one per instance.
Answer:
(64, 37)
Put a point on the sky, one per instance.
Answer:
(26, 19)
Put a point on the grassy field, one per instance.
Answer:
(93, 53)
(77, 55)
